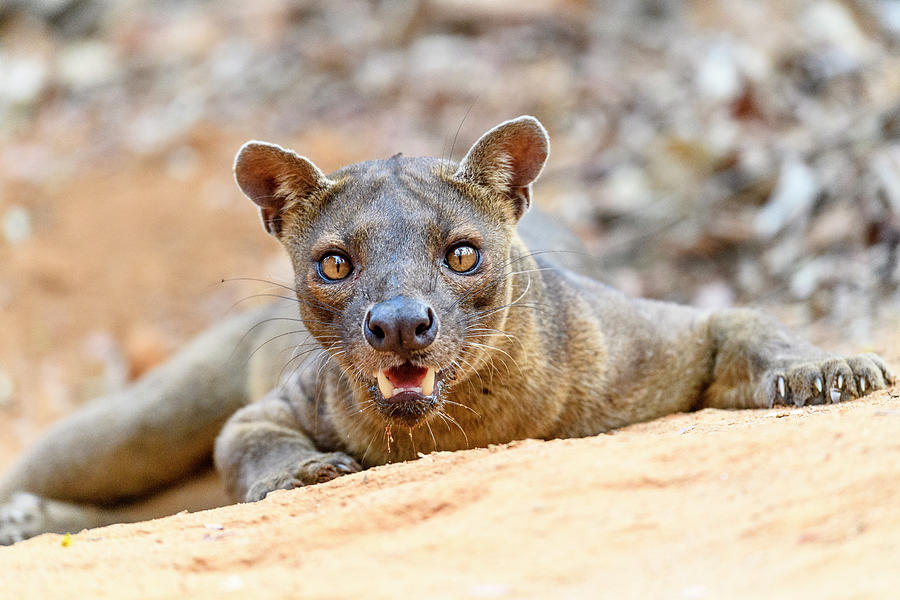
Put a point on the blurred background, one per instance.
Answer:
(716, 152)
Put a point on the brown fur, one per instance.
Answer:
(525, 348)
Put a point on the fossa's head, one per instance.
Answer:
(402, 265)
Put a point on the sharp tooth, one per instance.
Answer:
(428, 383)
(384, 384)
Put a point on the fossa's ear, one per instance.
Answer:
(272, 176)
(507, 159)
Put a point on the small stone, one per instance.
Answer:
(86, 64)
(379, 73)
(24, 78)
(626, 190)
(715, 295)
(794, 193)
(806, 279)
(718, 78)
(831, 23)
(16, 225)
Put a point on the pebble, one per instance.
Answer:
(790, 201)
(830, 22)
(86, 64)
(16, 225)
(718, 77)
(627, 190)
(716, 295)
(24, 79)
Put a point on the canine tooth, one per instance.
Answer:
(385, 385)
(428, 383)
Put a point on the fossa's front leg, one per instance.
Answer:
(263, 448)
(758, 363)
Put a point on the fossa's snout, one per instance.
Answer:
(400, 325)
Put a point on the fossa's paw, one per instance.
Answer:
(825, 381)
(21, 518)
(317, 469)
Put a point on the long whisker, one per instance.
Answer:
(468, 408)
(458, 426)
(433, 440)
(281, 285)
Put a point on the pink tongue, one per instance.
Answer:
(406, 375)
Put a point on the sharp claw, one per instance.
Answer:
(862, 384)
(819, 385)
(835, 395)
(781, 387)
(839, 381)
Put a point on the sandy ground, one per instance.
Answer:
(777, 503)
(717, 504)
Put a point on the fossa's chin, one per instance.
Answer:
(407, 409)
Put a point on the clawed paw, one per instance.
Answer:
(316, 469)
(833, 380)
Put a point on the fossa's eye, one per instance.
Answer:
(463, 258)
(335, 266)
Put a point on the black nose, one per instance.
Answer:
(400, 325)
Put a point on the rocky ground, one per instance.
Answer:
(712, 152)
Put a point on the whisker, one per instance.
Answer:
(433, 441)
(275, 283)
(468, 408)
(458, 426)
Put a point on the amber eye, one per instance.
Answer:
(334, 267)
(462, 258)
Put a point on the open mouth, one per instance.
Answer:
(407, 393)
(406, 378)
